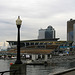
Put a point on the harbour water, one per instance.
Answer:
(58, 64)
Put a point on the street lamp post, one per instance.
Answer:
(18, 23)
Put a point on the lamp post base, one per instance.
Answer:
(18, 62)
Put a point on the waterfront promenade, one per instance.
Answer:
(65, 72)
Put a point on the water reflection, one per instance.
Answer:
(40, 70)
(5, 65)
(37, 70)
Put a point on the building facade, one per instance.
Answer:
(48, 33)
(40, 43)
(74, 32)
(41, 34)
(70, 30)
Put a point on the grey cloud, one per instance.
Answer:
(6, 22)
(35, 14)
(42, 9)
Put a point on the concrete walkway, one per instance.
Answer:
(65, 72)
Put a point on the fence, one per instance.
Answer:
(13, 71)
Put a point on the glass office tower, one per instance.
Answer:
(48, 33)
(70, 30)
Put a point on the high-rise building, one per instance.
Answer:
(74, 33)
(48, 33)
(70, 30)
(41, 34)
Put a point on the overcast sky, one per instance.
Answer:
(35, 14)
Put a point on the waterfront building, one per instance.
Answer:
(42, 48)
(38, 48)
(70, 30)
(37, 42)
(48, 33)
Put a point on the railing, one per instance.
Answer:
(13, 72)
